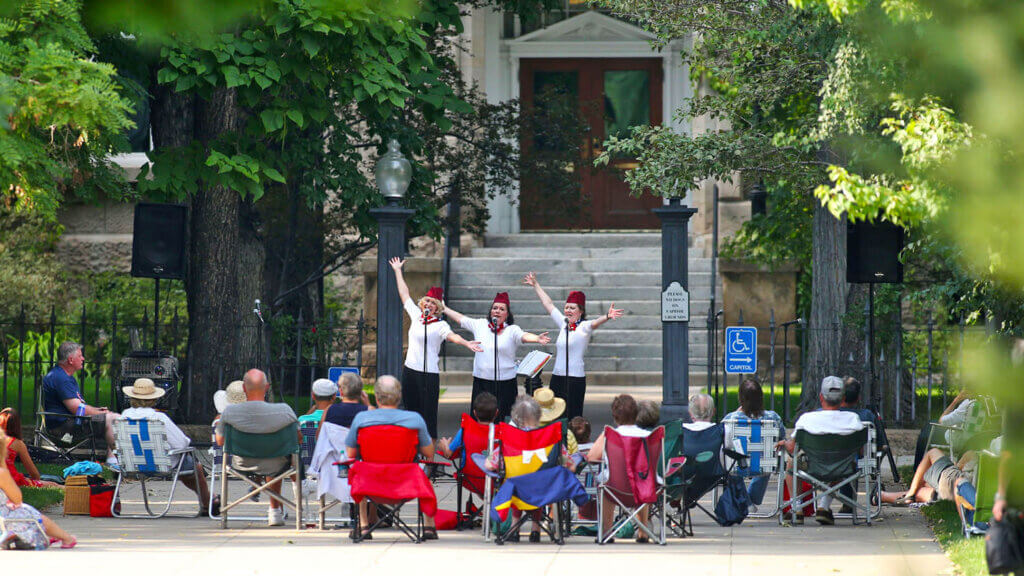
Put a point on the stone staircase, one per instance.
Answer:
(624, 268)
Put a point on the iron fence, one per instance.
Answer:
(293, 354)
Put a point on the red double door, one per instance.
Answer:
(609, 96)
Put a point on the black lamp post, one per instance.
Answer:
(675, 328)
(758, 199)
(393, 174)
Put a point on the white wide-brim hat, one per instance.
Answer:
(143, 389)
(233, 394)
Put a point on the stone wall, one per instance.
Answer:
(96, 238)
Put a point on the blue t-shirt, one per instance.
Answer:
(59, 386)
(383, 416)
(342, 414)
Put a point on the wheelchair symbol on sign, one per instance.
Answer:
(738, 345)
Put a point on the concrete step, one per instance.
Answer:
(628, 323)
(577, 239)
(521, 294)
(608, 349)
(578, 252)
(619, 380)
(611, 279)
(698, 308)
(557, 270)
(465, 363)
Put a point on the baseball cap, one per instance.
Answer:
(831, 384)
(324, 387)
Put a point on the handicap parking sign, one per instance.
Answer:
(740, 350)
(334, 373)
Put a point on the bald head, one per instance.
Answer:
(388, 391)
(255, 385)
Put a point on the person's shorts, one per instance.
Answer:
(261, 466)
(942, 476)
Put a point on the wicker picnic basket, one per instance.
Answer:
(76, 495)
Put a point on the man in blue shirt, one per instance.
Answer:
(61, 395)
(388, 391)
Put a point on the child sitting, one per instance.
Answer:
(485, 408)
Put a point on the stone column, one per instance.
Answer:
(675, 344)
(391, 220)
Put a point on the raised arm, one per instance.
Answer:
(531, 280)
(613, 312)
(541, 338)
(456, 339)
(455, 316)
(403, 289)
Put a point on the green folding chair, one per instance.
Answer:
(283, 443)
(828, 462)
(986, 484)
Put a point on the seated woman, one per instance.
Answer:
(10, 424)
(142, 397)
(624, 414)
(751, 407)
(23, 534)
(648, 415)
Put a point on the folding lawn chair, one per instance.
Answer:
(387, 474)
(870, 462)
(531, 478)
(828, 462)
(282, 443)
(703, 471)
(75, 434)
(216, 453)
(330, 448)
(634, 483)
(143, 454)
(5, 530)
(756, 439)
(979, 428)
(986, 484)
(469, 476)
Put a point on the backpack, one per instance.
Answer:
(734, 503)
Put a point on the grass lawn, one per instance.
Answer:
(43, 497)
(968, 555)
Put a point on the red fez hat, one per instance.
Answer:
(502, 298)
(436, 293)
(578, 298)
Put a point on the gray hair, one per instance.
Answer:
(525, 412)
(142, 403)
(388, 391)
(351, 385)
(702, 408)
(648, 414)
(66, 349)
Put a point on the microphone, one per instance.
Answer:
(494, 321)
(257, 311)
(799, 321)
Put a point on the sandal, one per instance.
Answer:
(74, 542)
(642, 539)
(535, 536)
(429, 533)
(903, 501)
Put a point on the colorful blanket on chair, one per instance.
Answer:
(531, 491)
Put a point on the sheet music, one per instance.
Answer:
(533, 363)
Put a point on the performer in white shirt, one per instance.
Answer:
(494, 368)
(421, 379)
(576, 329)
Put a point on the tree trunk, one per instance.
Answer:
(225, 271)
(828, 304)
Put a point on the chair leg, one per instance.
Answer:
(224, 491)
(113, 501)
(297, 490)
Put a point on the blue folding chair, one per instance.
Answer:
(143, 454)
(756, 439)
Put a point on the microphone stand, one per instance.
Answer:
(566, 357)
(494, 324)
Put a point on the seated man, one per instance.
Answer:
(324, 392)
(143, 396)
(829, 420)
(256, 416)
(62, 395)
(353, 401)
(388, 391)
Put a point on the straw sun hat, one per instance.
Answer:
(551, 407)
(234, 394)
(143, 389)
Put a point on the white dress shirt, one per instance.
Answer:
(578, 340)
(436, 334)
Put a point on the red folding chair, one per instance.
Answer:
(633, 482)
(469, 476)
(386, 474)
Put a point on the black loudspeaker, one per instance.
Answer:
(872, 253)
(158, 245)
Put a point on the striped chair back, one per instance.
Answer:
(756, 438)
(142, 446)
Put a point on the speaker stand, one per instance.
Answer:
(156, 317)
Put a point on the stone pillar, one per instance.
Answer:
(391, 220)
(675, 344)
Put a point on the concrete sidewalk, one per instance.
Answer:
(899, 543)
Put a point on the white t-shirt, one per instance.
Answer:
(829, 422)
(176, 439)
(578, 340)
(508, 341)
(436, 334)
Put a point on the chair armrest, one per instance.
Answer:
(675, 465)
(341, 463)
(739, 457)
(189, 449)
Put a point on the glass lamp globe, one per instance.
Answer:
(393, 172)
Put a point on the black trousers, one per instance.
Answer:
(504, 390)
(420, 392)
(572, 391)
